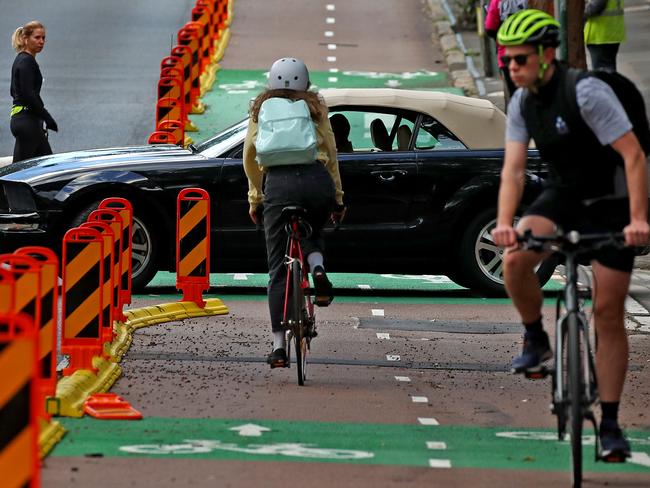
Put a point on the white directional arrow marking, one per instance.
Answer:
(250, 430)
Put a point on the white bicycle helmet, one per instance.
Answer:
(289, 73)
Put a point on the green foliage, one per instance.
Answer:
(466, 12)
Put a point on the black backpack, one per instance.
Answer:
(627, 93)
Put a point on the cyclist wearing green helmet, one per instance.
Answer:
(597, 183)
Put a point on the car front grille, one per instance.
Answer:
(16, 197)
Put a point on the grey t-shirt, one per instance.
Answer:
(600, 109)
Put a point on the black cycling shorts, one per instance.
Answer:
(568, 213)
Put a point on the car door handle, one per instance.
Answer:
(388, 175)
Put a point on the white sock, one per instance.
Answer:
(279, 340)
(315, 259)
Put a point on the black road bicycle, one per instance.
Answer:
(574, 386)
(298, 316)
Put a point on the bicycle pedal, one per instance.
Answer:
(538, 374)
(614, 458)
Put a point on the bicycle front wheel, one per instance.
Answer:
(576, 386)
(300, 341)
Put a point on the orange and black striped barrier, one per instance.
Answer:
(193, 244)
(49, 267)
(83, 278)
(18, 402)
(108, 272)
(162, 137)
(204, 12)
(201, 28)
(188, 36)
(27, 285)
(114, 220)
(7, 291)
(123, 207)
(183, 65)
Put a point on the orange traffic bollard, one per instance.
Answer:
(83, 277)
(18, 402)
(123, 207)
(113, 218)
(108, 272)
(193, 244)
(47, 347)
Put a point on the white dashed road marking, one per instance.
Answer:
(392, 357)
(331, 59)
(437, 445)
(439, 463)
(377, 312)
(383, 335)
(428, 421)
(330, 20)
(331, 7)
(405, 379)
(419, 399)
(362, 287)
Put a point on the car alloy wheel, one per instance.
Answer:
(489, 256)
(141, 247)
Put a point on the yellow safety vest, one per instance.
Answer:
(608, 27)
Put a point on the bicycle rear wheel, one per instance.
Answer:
(300, 340)
(576, 386)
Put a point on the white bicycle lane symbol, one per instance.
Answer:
(200, 446)
(638, 457)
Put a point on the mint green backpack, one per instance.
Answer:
(285, 133)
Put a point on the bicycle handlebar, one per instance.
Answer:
(571, 241)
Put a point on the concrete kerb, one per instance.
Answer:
(460, 65)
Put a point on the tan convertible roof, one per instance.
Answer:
(478, 123)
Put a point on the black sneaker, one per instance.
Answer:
(614, 447)
(278, 358)
(323, 295)
(536, 350)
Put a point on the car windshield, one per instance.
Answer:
(223, 141)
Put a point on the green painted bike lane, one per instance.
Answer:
(434, 446)
(228, 102)
(442, 289)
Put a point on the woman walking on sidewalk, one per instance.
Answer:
(28, 113)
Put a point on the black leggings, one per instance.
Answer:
(31, 138)
(309, 186)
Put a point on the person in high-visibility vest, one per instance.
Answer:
(604, 32)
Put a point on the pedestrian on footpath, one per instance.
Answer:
(604, 32)
(309, 179)
(29, 118)
(498, 11)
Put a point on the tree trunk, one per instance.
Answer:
(577, 57)
(545, 5)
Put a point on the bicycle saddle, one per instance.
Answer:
(293, 211)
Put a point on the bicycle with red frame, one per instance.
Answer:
(298, 316)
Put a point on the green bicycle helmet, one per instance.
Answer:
(529, 26)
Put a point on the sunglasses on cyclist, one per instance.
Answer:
(520, 59)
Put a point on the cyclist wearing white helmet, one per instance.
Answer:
(597, 183)
(315, 186)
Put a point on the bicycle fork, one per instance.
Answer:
(589, 388)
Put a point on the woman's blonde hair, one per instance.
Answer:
(316, 104)
(18, 38)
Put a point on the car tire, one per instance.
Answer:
(144, 245)
(480, 264)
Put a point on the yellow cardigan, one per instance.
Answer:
(326, 154)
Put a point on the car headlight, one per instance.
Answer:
(17, 207)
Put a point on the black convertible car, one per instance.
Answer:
(420, 172)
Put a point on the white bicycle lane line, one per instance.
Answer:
(436, 445)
